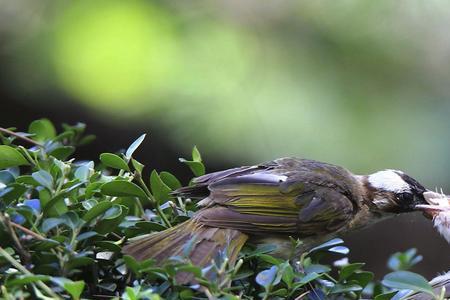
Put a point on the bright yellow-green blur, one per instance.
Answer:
(110, 53)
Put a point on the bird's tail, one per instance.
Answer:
(204, 243)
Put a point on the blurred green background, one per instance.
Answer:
(362, 84)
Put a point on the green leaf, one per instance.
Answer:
(132, 264)
(112, 218)
(191, 269)
(263, 248)
(361, 277)
(122, 188)
(170, 180)
(160, 190)
(62, 152)
(71, 219)
(317, 268)
(348, 270)
(308, 278)
(196, 155)
(43, 178)
(83, 172)
(266, 277)
(150, 226)
(87, 139)
(74, 288)
(55, 206)
(10, 157)
(407, 280)
(28, 180)
(51, 223)
(114, 161)
(42, 129)
(77, 262)
(339, 249)
(44, 245)
(196, 167)
(270, 259)
(21, 280)
(345, 288)
(6, 177)
(385, 296)
(12, 192)
(134, 146)
(107, 245)
(96, 211)
(328, 244)
(137, 165)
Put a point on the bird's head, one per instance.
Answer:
(393, 191)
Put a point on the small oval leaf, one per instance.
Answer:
(10, 157)
(407, 280)
(114, 161)
(134, 146)
(122, 188)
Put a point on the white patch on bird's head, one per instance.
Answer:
(389, 180)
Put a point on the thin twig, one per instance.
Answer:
(152, 200)
(24, 138)
(22, 269)
(28, 231)
(24, 255)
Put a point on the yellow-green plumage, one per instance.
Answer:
(286, 197)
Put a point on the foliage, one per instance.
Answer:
(63, 222)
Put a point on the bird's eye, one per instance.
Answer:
(405, 197)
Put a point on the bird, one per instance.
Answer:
(275, 201)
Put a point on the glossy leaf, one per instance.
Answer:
(265, 278)
(134, 146)
(196, 156)
(114, 161)
(42, 129)
(407, 280)
(329, 244)
(170, 180)
(160, 190)
(62, 152)
(348, 270)
(43, 178)
(121, 188)
(96, 211)
(74, 288)
(10, 157)
(26, 279)
(196, 167)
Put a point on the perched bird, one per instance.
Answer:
(268, 203)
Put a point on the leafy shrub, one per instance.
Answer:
(63, 222)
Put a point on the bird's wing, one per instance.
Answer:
(269, 201)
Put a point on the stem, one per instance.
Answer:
(28, 231)
(163, 216)
(24, 138)
(22, 269)
(24, 255)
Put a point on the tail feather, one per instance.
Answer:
(207, 243)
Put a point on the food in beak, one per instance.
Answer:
(438, 209)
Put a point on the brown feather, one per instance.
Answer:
(171, 242)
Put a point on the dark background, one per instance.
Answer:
(360, 84)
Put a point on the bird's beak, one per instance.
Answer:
(437, 202)
(429, 211)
